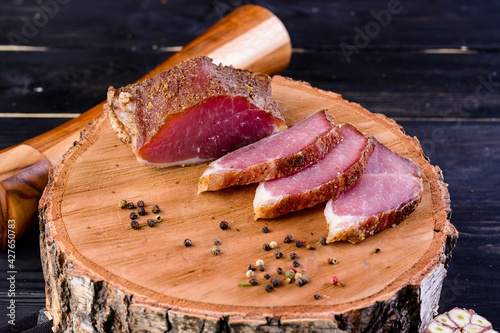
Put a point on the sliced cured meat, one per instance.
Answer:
(276, 156)
(336, 172)
(194, 112)
(388, 192)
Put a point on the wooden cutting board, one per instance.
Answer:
(101, 274)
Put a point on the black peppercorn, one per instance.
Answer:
(133, 215)
(317, 296)
(265, 230)
(377, 250)
(322, 240)
(130, 205)
(293, 255)
(295, 263)
(266, 247)
(134, 224)
(251, 267)
(187, 242)
(253, 281)
(141, 211)
(155, 209)
(267, 276)
(262, 268)
(300, 282)
(275, 281)
(278, 254)
(151, 223)
(224, 225)
(279, 270)
(288, 239)
(140, 203)
(217, 242)
(269, 287)
(299, 243)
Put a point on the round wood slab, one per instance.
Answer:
(102, 275)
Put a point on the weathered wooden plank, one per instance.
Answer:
(402, 24)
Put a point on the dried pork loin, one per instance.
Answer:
(194, 112)
(336, 172)
(388, 192)
(276, 156)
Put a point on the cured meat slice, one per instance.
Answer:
(336, 172)
(388, 192)
(194, 112)
(276, 156)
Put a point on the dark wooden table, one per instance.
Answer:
(433, 66)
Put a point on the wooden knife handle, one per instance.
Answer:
(250, 37)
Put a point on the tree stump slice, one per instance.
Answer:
(102, 276)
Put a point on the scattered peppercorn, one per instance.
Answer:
(279, 270)
(290, 274)
(130, 205)
(140, 203)
(377, 250)
(259, 262)
(293, 255)
(296, 263)
(133, 215)
(273, 245)
(305, 279)
(253, 281)
(158, 218)
(141, 211)
(265, 229)
(155, 209)
(297, 275)
(251, 267)
(216, 250)
(217, 242)
(266, 247)
(269, 287)
(278, 254)
(187, 242)
(299, 282)
(122, 204)
(317, 296)
(322, 240)
(134, 224)
(334, 280)
(332, 261)
(275, 281)
(262, 268)
(151, 223)
(250, 274)
(267, 276)
(299, 243)
(224, 225)
(288, 239)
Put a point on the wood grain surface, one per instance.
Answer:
(85, 229)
